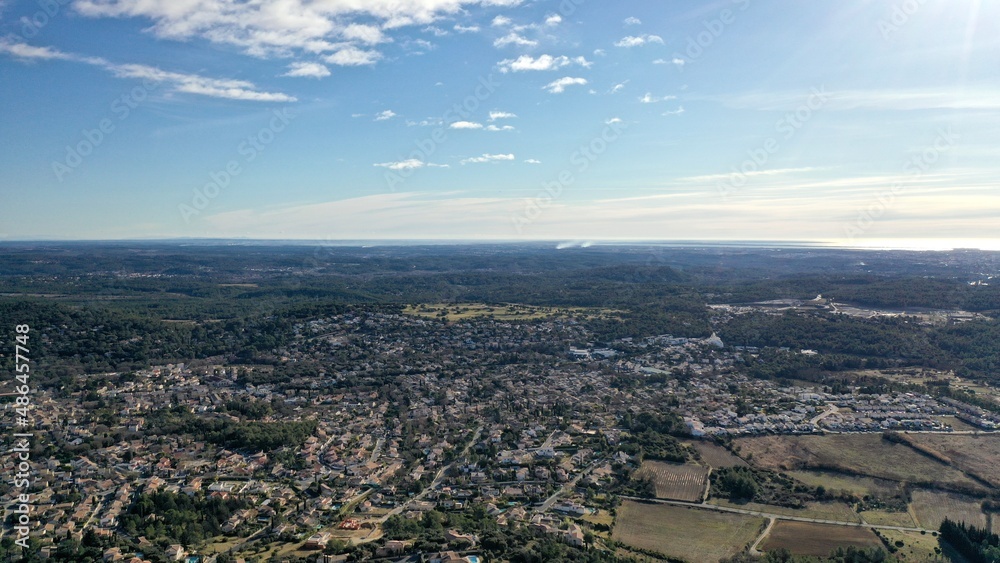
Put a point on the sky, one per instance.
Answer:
(854, 121)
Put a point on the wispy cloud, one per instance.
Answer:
(409, 164)
(638, 41)
(559, 86)
(649, 98)
(488, 158)
(312, 70)
(495, 115)
(176, 81)
(514, 38)
(466, 125)
(385, 115)
(542, 62)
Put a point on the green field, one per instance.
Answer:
(687, 533)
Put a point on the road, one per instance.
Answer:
(830, 409)
(760, 538)
(717, 508)
(437, 479)
(569, 484)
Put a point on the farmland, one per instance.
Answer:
(803, 538)
(842, 482)
(716, 456)
(932, 507)
(675, 481)
(686, 533)
(860, 454)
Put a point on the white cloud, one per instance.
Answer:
(437, 31)
(363, 33)
(385, 115)
(312, 70)
(466, 28)
(488, 158)
(639, 40)
(513, 38)
(410, 164)
(178, 82)
(495, 115)
(286, 28)
(500, 128)
(632, 21)
(553, 20)
(649, 98)
(352, 56)
(903, 99)
(618, 87)
(678, 111)
(559, 86)
(501, 21)
(613, 120)
(600, 52)
(543, 62)
(466, 125)
(532, 161)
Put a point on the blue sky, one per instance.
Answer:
(833, 120)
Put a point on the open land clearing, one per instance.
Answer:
(675, 481)
(975, 454)
(932, 507)
(858, 454)
(804, 538)
(851, 483)
(688, 533)
(716, 456)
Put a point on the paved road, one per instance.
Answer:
(568, 485)
(830, 409)
(717, 508)
(434, 483)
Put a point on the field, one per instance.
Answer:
(976, 455)
(804, 538)
(862, 454)
(842, 482)
(837, 511)
(717, 456)
(675, 481)
(503, 312)
(686, 533)
(931, 508)
(916, 546)
(884, 518)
